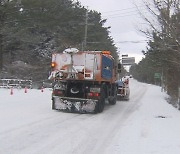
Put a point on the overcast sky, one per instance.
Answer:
(124, 20)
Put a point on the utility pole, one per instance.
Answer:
(1, 36)
(1, 53)
(86, 24)
(86, 27)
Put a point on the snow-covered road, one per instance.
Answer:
(146, 124)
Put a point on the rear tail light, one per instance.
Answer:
(91, 94)
(96, 94)
(58, 92)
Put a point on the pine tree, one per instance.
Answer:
(163, 54)
(33, 29)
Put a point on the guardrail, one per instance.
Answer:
(15, 83)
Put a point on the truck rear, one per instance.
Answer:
(123, 90)
(82, 80)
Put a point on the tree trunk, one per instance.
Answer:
(1, 36)
(1, 54)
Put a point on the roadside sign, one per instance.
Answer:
(128, 60)
(124, 55)
(157, 75)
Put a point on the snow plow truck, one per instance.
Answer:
(83, 80)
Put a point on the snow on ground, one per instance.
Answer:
(146, 124)
(153, 128)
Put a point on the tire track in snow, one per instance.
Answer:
(39, 132)
(110, 131)
(33, 124)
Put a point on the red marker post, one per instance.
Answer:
(42, 89)
(11, 91)
(25, 90)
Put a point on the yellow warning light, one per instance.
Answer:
(53, 64)
(106, 52)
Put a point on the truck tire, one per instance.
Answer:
(113, 99)
(101, 103)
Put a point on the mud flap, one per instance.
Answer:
(74, 104)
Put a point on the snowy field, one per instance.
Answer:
(146, 124)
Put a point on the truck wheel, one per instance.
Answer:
(101, 102)
(112, 99)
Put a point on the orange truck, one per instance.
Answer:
(83, 80)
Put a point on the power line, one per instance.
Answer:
(123, 9)
(119, 16)
(124, 13)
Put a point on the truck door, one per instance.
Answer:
(107, 66)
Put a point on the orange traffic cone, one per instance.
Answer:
(11, 92)
(25, 90)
